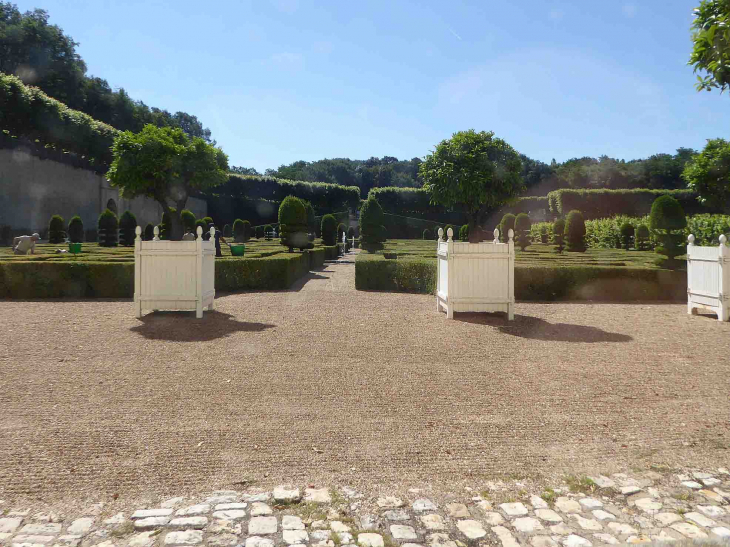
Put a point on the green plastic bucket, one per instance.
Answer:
(74, 248)
(237, 250)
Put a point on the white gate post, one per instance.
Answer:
(724, 260)
(450, 255)
(690, 244)
(138, 272)
(199, 273)
(511, 282)
(440, 233)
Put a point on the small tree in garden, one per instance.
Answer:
(108, 226)
(667, 221)
(239, 231)
(127, 227)
(188, 220)
(708, 174)
(293, 223)
(507, 224)
(268, 231)
(340, 230)
(259, 231)
(476, 171)
(149, 232)
(627, 232)
(464, 233)
(329, 230)
(56, 232)
(165, 224)
(559, 234)
(227, 230)
(544, 234)
(76, 230)
(166, 165)
(575, 232)
(427, 234)
(522, 229)
(372, 231)
(641, 238)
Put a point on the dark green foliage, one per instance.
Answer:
(528, 204)
(227, 230)
(427, 234)
(108, 226)
(165, 224)
(575, 232)
(464, 232)
(507, 224)
(559, 233)
(667, 221)
(56, 232)
(6, 235)
(522, 230)
(329, 230)
(372, 231)
(350, 232)
(202, 224)
(446, 232)
(340, 230)
(627, 232)
(311, 219)
(375, 272)
(127, 226)
(268, 231)
(259, 231)
(246, 230)
(293, 223)
(544, 234)
(149, 232)
(187, 217)
(641, 238)
(208, 221)
(239, 231)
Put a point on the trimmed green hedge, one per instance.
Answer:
(533, 283)
(608, 203)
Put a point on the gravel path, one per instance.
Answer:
(323, 384)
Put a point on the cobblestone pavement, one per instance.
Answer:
(583, 511)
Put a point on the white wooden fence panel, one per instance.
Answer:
(708, 278)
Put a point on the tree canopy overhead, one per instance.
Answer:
(708, 174)
(711, 44)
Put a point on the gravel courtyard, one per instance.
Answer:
(323, 384)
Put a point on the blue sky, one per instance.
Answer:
(283, 80)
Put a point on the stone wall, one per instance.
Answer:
(32, 190)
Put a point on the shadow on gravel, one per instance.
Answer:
(182, 326)
(534, 328)
(298, 285)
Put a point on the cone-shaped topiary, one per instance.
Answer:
(427, 234)
(293, 223)
(329, 230)
(575, 232)
(187, 217)
(641, 238)
(108, 227)
(464, 233)
(627, 232)
(149, 232)
(508, 222)
(76, 230)
(667, 221)
(127, 226)
(227, 230)
(372, 231)
(56, 232)
(522, 230)
(559, 234)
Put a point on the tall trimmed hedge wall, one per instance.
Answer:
(607, 203)
(414, 202)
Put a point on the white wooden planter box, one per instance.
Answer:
(478, 277)
(708, 278)
(174, 275)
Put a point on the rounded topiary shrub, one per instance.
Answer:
(149, 232)
(208, 221)
(187, 217)
(202, 224)
(165, 225)
(238, 231)
(575, 232)
(329, 230)
(76, 230)
(268, 231)
(507, 224)
(227, 230)
(246, 230)
(464, 233)
(350, 232)
(372, 231)
(641, 237)
(258, 232)
(427, 234)
(667, 221)
(340, 230)
(293, 223)
(522, 230)
(127, 226)
(311, 219)
(559, 234)
(627, 232)
(56, 232)
(108, 227)
(544, 234)
(446, 232)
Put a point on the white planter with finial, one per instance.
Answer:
(174, 275)
(708, 278)
(475, 277)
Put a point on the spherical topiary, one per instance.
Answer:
(350, 232)
(507, 224)
(559, 234)
(227, 230)
(575, 232)
(127, 227)
(544, 234)
(341, 228)
(329, 230)
(187, 217)
(56, 232)
(627, 232)
(268, 231)
(427, 234)
(641, 237)
(372, 231)
(522, 230)
(76, 230)
(667, 221)
(464, 233)
(108, 229)
(149, 232)
(293, 223)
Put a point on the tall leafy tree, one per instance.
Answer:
(708, 173)
(166, 165)
(711, 44)
(476, 171)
